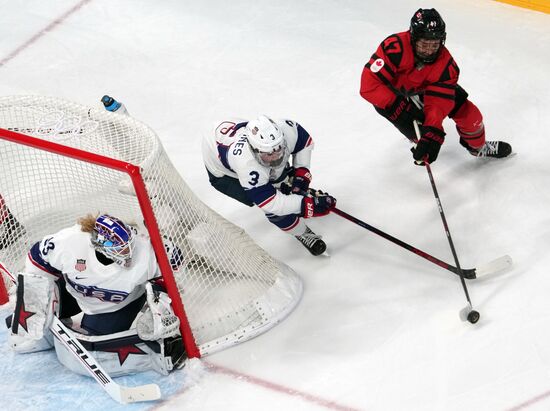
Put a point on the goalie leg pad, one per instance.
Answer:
(125, 353)
(37, 301)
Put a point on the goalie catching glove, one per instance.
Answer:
(158, 321)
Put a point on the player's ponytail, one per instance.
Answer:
(87, 222)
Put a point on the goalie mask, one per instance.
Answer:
(266, 141)
(114, 239)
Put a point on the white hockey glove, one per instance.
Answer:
(158, 321)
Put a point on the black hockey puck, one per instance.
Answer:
(473, 316)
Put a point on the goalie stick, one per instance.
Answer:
(491, 267)
(120, 393)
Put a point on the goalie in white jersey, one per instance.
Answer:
(249, 161)
(103, 268)
(106, 270)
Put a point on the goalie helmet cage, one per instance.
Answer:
(60, 161)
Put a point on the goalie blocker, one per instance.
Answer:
(153, 344)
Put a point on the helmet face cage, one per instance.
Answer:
(274, 158)
(427, 24)
(114, 239)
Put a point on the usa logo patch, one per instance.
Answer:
(80, 265)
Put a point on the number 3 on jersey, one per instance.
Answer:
(47, 246)
(254, 176)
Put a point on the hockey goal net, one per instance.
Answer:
(60, 160)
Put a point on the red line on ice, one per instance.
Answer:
(331, 405)
(44, 31)
(530, 402)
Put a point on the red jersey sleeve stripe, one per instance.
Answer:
(267, 201)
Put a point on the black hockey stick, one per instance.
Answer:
(491, 267)
(494, 266)
(470, 273)
(467, 313)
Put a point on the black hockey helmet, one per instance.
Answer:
(427, 24)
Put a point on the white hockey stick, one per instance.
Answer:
(120, 393)
(494, 266)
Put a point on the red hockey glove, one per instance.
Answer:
(428, 145)
(301, 180)
(317, 206)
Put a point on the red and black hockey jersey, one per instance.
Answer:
(392, 69)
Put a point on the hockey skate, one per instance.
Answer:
(10, 231)
(494, 149)
(312, 242)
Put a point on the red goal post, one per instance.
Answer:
(60, 160)
(150, 222)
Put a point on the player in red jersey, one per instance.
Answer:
(416, 64)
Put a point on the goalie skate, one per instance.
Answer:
(312, 242)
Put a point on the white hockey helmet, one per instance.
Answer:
(267, 141)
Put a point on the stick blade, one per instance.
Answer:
(494, 266)
(148, 392)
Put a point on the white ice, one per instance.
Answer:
(378, 327)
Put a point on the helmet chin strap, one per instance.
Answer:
(427, 59)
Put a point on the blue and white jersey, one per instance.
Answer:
(97, 288)
(227, 153)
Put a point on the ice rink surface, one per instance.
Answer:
(378, 327)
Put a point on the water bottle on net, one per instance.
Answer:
(113, 105)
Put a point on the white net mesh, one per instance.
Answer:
(231, 289)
